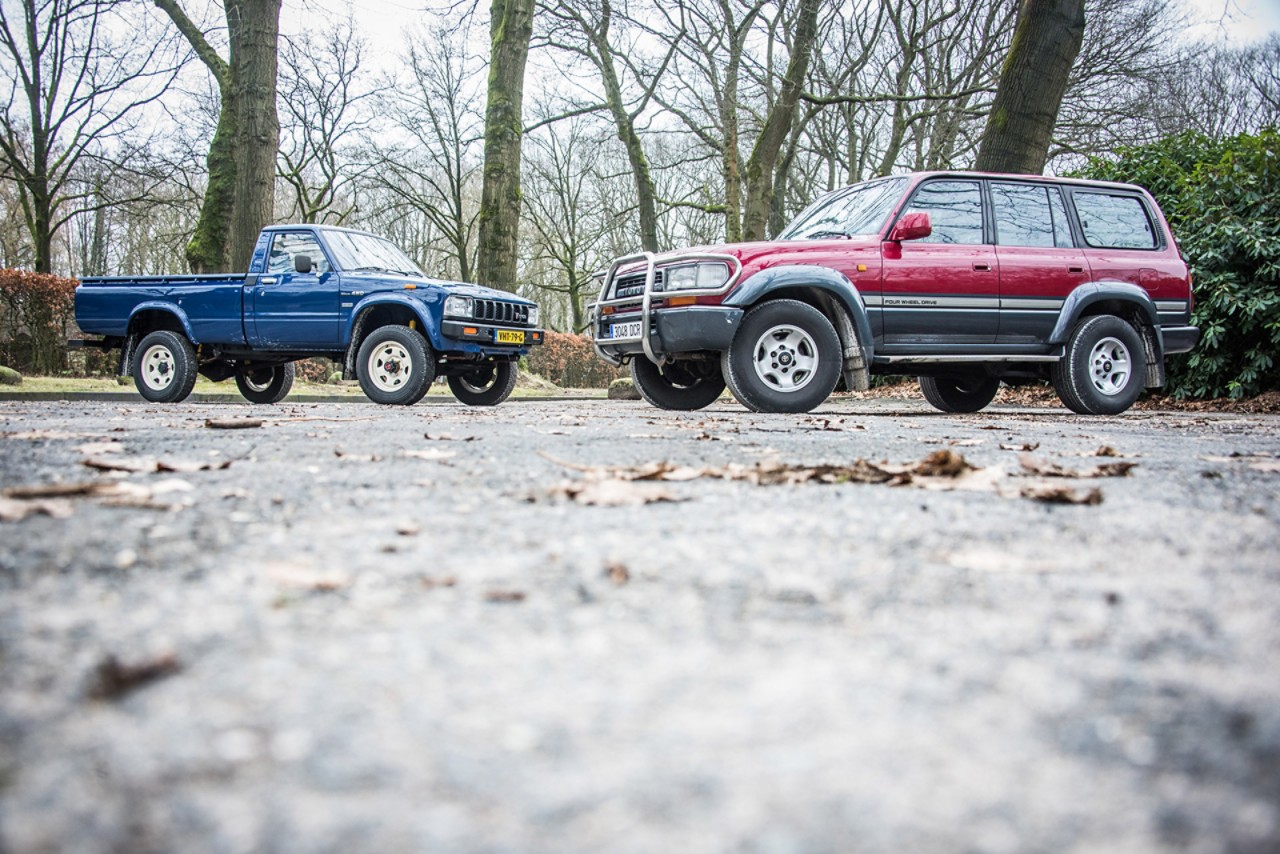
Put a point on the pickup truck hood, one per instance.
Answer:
(450, 287)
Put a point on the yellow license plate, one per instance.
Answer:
(508, 336)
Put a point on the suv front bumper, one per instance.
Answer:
(671, 330)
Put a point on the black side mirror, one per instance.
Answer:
(302, 263)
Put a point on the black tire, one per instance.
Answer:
(395, 366)
(164, 367)
(486, 386)
(265, 384)
(959, 394)
(1104, 368)
(685, 385)
(807, 351)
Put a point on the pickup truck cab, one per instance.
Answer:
(313, 290)
(963, 279)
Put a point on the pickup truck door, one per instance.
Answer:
(943, 289)
(288, 309)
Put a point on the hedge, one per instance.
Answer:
(37, 312)
(570, 361)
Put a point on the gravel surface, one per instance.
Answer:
(355, 628)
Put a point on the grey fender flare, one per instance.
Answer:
(1077, 303)
(841, 298)
(359, 314)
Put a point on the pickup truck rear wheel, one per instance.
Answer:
(265, 384)
(959, 394)
(164, 367)
(395, 366)
(785, 357)
(1103, 369)
(677, 385)
(487, 386)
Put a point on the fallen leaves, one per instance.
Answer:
(18, 503)
(114, 678)
(1062, 495)
(233, 423)
(505, 596)
(1047, 469)
(143, 465)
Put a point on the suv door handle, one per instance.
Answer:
(267, 280)
(982, 268)
(1073, 268)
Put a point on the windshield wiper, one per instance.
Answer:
(821, 235)
(373, 269)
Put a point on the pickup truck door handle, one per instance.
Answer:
(982, 268)
(267, 280)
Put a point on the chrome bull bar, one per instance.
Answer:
(595, 311)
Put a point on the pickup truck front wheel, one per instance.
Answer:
(1103, 369)
(266, 384)
(394, 366)
(785, 357)
(164, 367)
(487, 386)
(678, 385)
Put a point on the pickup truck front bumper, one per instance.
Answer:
(490, 336)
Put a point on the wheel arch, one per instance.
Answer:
(148, 317)
(378, 311)
(1120, 299)
(831, 293)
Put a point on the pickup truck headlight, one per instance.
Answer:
(458, 306)
(707, 275)
(533, 315)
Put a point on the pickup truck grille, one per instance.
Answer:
(632, 284)
(501, 312)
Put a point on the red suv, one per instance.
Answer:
(964, 279)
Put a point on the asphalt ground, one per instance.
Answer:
(596, 626)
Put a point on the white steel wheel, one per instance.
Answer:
(785, 358)
(390, 367)
(158, 367)
(1110, 366)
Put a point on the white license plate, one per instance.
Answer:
(625, 330)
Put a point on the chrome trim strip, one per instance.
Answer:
(1047, 304)
(907, 360)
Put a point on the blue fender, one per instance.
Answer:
(428, 322)
(167, 308)
(1074, 306)
(809, 277)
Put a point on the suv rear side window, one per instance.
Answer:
(954, 209)
(1029, 215)
(1114, 222)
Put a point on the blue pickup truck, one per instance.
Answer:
(312, 290)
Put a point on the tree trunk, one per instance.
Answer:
(764, 155)
(1034, 78)
(254, 30)
(510, 28)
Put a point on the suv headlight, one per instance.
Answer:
(707, 275)
(457, 306)
(533, 315)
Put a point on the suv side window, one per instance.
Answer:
(1114, 222)
(286, 245)
(1028, 215)
(954, 209)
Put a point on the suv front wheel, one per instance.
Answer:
(785, 357)
(1103, 369)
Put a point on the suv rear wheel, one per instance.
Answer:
(677, 385)
(959, 394)
(1103, 369)
(785, 357)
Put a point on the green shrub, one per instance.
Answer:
(1222, 199)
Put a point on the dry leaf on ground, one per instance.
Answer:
(14, 510)
(1047, 469)
(233, 423)
(114, 678)
(1062, 495)
(430, 454)
(505, 596)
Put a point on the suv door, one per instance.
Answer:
(1039, 261)
(292, 309)
(942, 289)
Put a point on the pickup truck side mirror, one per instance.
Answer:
(912, 226)
(302, 263)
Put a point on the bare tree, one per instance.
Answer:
(323, 99)
(240, 196)
(1036, 73)
(510, 28)
(74, 94)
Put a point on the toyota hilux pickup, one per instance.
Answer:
(965, 280)
(312, 290)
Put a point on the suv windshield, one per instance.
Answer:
(355, 251)
(856, 210)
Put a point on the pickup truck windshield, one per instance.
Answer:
(857, 210)
(355, 251)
